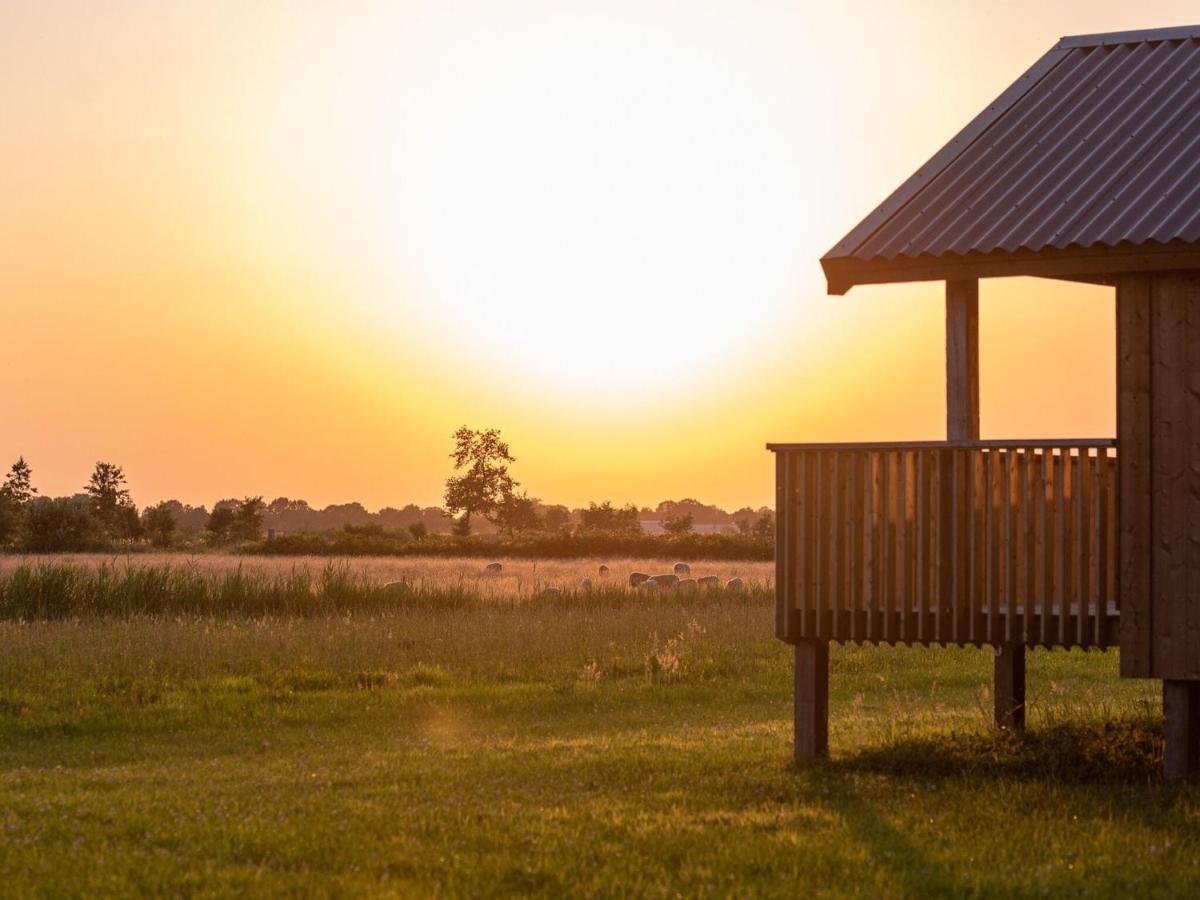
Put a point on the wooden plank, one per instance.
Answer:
(1100, 545)
(1181, 728)
(962, 360)
(871, 484)
(1060, 569)
(855, 541)
(945, 545)
(887, 572)
(806, 569)
(811, 680)
(1009, 542)
(903, 546)
(782, 543)
(1188, 596)
(1134, 506)
(1046, 547)
(797, 508)
(921, 579)
(833, 472)
(1029, 573)
(994, 546)
(974, 487)
(1175, 457)
(962, 562)
(1083, 531)
(820, 547)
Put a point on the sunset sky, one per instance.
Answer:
(287, 248)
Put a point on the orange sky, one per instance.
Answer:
(282, 248)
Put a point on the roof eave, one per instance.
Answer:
(844, 273)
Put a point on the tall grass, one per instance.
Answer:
(44, 590)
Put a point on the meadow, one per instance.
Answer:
(195, 727)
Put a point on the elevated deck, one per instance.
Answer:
(940, 542)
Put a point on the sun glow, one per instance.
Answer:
(592, 199)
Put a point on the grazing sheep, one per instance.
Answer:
(686, 584)
(708, 581)
(648, 585)
(585, 584)
(683, 569)
(666, 580)
(604, 570)
(551, 592)
(734, 584)
(393, 586)
(636, 578)
(492, 568)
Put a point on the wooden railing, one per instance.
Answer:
(982, 542)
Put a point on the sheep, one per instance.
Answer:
(666, 580)
(551, 592)
(734, 584)
(585, 584)
(708, 581)
(492, 568)
(683, 569)
(648, 585)
(686, 584)
(636, 578)
(604, 570)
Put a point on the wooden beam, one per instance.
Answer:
(842, 274)
(1181, 729)
(962, 360)
(1009, 691)
(1135, 514)
(812, 700)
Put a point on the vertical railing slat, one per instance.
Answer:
(921, 534)
(1046, 496)
(1084, 534)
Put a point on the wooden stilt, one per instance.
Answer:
(812, 700)
(1009, 690)
(1181, 728)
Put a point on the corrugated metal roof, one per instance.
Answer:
(1097, 146)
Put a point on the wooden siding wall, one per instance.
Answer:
(948, 544)
(1158, 422)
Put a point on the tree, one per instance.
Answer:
(220, 522)
(483, 459)
(248, 519)
(15, 494)
(681, 524)
(604, 518)
(556, 518)
(109, 497)
(517, 514)
(18, 486)
(418, 530)
(765, 526)
(160, 523)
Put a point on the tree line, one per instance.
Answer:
(481, 498)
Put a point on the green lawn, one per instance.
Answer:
(617, 748)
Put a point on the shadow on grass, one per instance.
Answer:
(1123, 751)
(915, 870)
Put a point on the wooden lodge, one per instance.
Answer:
(1087, 169)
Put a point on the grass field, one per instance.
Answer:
(607, 743)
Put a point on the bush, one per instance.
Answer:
(531, 546)
(62, 524)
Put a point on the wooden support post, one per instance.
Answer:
(1181, 728)
(1009, 691)
(962, 360)
(812, 700)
